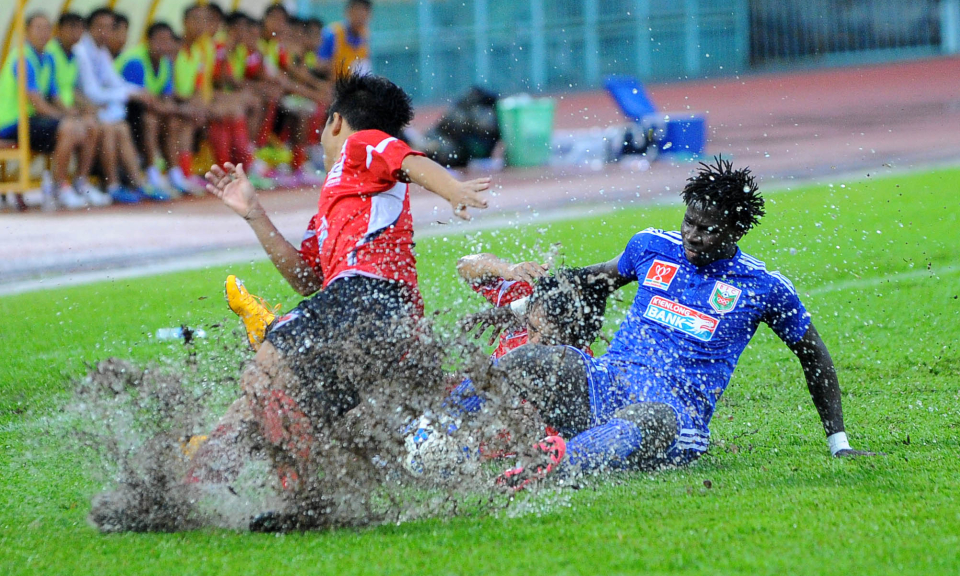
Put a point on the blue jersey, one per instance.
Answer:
(688, 325)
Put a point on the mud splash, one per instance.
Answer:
(364, 467)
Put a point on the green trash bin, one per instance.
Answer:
(526, 126)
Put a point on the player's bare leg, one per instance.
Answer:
(69, 136)
(151, 136)
(108, 154)
(272, 389)
(220, 456)
(128, 153)
(554, 379)
(87, 153)
(253, 110)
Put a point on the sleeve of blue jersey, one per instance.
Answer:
(325, 52)
(633, 254)
(786, 314)
(134, 73)
(31, 76)
(51, 64)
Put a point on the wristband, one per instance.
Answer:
(838, 442)
(519, 307)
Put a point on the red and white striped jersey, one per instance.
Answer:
(363, 225)
(500, 292)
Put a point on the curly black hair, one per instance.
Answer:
(575, 302)
(371, 102)
(733, 192)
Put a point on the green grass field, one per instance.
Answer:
(877, 264)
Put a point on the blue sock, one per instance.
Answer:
(463, 399)
(606, 445)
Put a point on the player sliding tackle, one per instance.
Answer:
(356, 263)
(648, 401)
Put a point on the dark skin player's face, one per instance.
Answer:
(706, 236)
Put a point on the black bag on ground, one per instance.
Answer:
(466, 131)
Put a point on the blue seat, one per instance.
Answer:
(630, 96)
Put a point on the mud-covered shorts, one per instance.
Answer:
(344, 337)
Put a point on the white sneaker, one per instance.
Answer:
(93, 195)
(70, 199)
(180, 182)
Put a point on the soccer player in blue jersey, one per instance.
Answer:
(648, 401)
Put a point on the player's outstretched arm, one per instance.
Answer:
(610, 272)
(435, 178)
(477, 268)
(821, 376)
(230, 184)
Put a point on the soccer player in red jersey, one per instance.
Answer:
(356, 264)
(502, 283)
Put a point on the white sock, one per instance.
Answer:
(154, 177)
(113, 188)
(177, 178)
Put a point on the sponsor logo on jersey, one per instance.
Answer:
(724, 297)
(682, 318)
(336, 173)
(322, 232)
(660, 274)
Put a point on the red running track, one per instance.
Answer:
(801, 125)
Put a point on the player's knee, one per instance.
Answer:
(657, 423)
(537, 358)
(68, 131)
(258, 373)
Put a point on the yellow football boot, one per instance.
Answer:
(253, 310)
(189, 446)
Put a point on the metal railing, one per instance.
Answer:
(437, 48)
(843, 31)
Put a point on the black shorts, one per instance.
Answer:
(344, 338)
(135, 112)
(43, 133)
(283, 119)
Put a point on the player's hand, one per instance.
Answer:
(527, 272)
(231, 185)
(851, 453)
(469, 195)
(497, 319)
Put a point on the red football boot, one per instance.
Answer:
(551, 450)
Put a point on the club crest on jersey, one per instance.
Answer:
(724, 297)
(682, 318)
(660, 274)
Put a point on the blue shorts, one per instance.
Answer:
(614, 385)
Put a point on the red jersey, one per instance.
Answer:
(253, 66)
(363, 225)
(223, 72)
(500, 293)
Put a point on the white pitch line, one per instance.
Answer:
(210, 259)
(881, 280)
